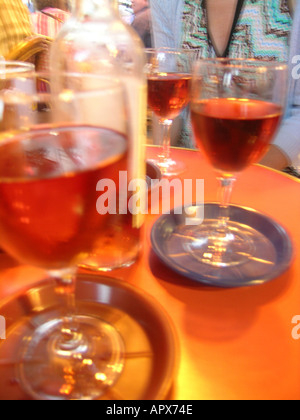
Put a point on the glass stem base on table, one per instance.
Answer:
(71, 357)
(78, 366)
(166, 164)
(221, 248)
(221, 243)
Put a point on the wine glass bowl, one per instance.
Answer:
(168, 94)
(234, 114)
(248, 126)
(236, 109)
(42, 168)
(169, 74)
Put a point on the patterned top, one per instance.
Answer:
(262, 30)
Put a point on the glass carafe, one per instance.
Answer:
(96, 40)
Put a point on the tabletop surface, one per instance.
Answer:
(233, 343)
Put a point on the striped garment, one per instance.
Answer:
(49, 25)
(15, 25)
(262, 30)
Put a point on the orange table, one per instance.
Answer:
(234, 343)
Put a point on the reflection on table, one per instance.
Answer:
(233, 343)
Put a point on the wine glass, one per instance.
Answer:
(48, 219)
(16, 80)
(169, 75)
(236, 109)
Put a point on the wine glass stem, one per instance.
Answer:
(225, 191)
(166, 140)
(70, 337)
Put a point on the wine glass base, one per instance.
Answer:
(169, 167)
(178, 245)
(146, 369)
(81, 369)
(233, 247)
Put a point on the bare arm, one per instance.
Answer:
(286, 148)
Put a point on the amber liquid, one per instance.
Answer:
(234, 133)
(48, 181)
(168, 94)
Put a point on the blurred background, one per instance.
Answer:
(134, 12)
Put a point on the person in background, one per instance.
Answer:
(49, 17)
(240, 29)
(142, 21)
(15, 25)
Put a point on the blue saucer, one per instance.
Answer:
(272, 251)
